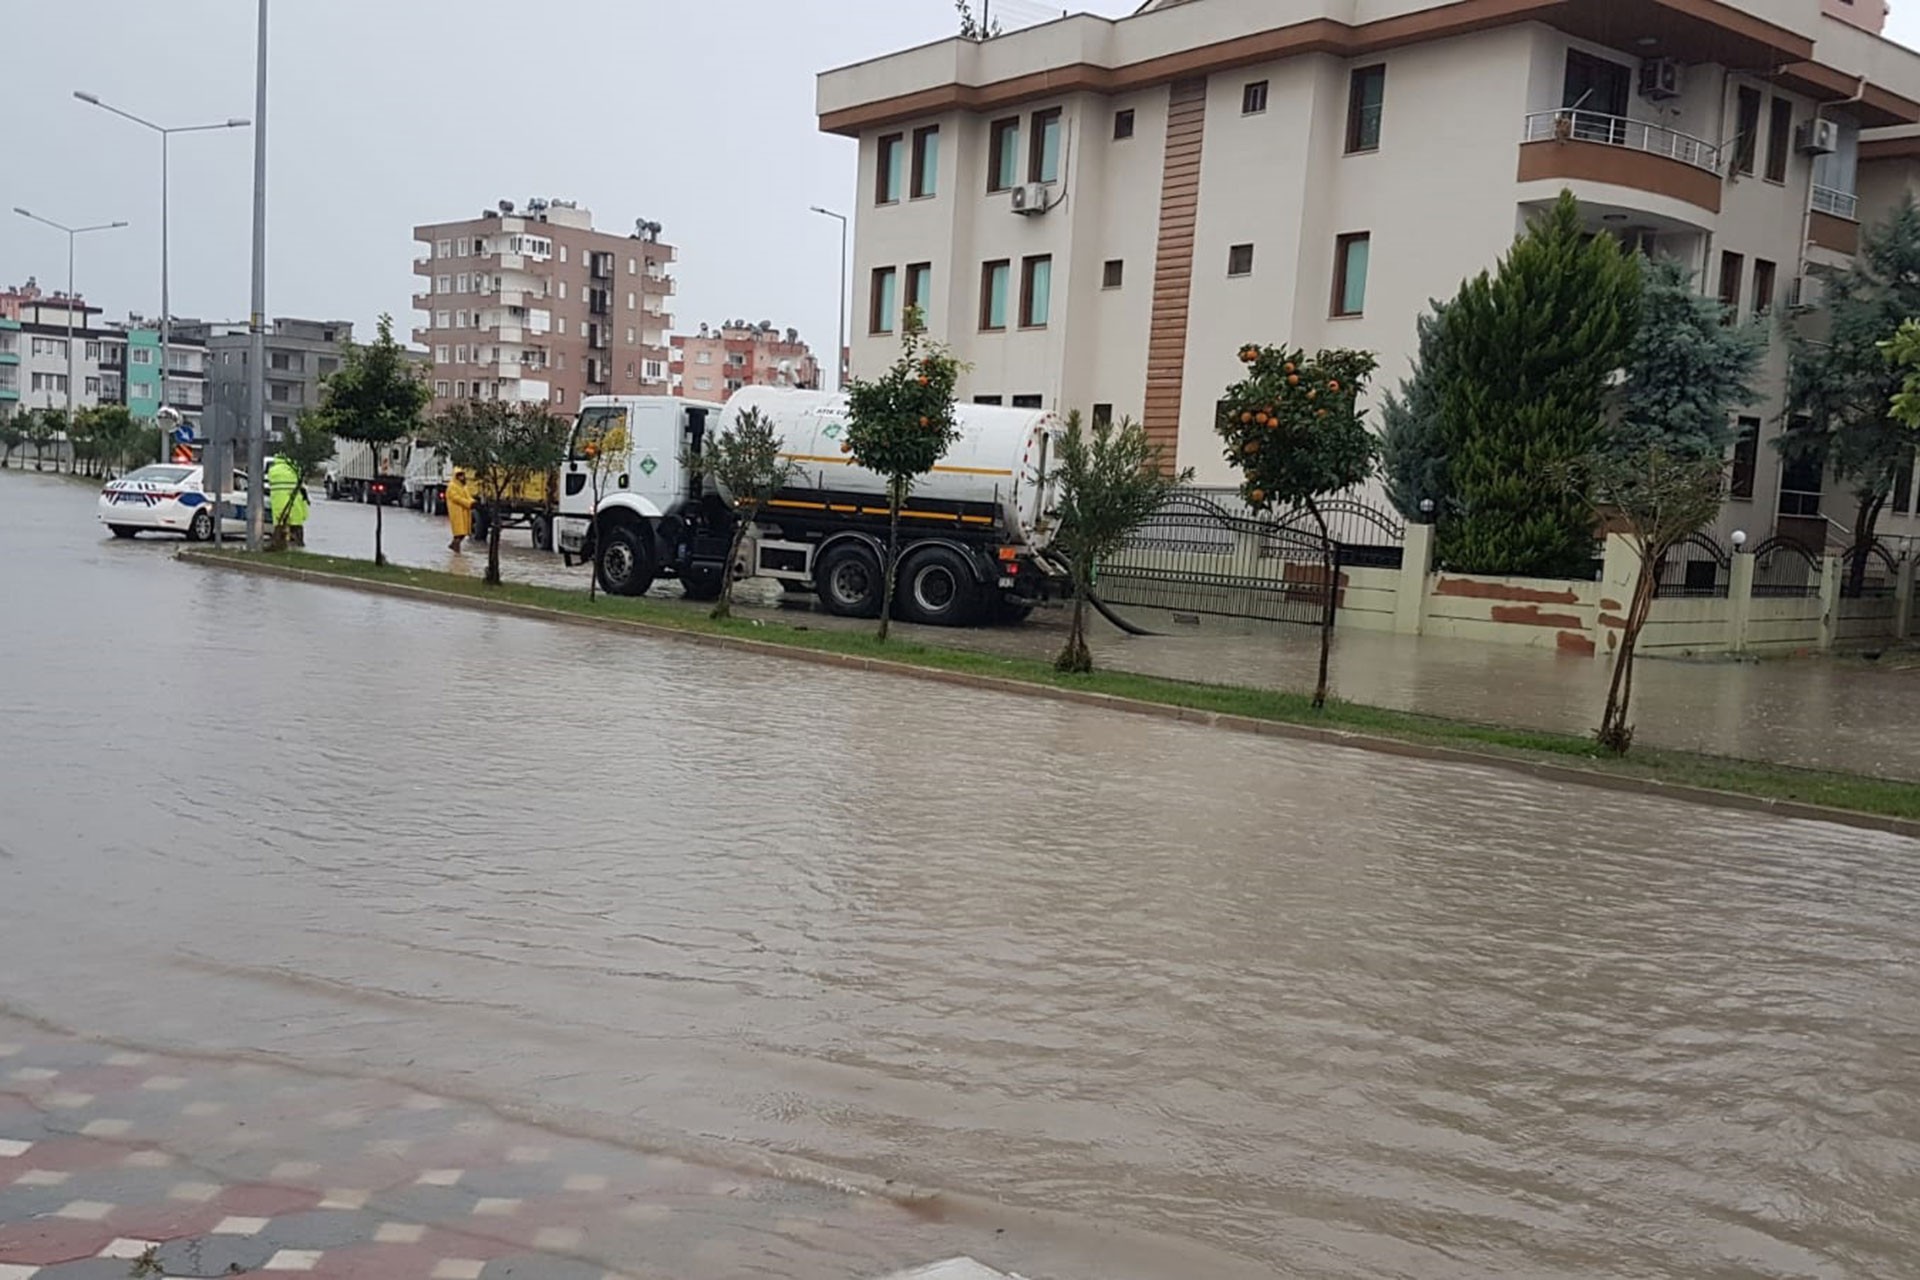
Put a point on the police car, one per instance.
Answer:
(171, 498)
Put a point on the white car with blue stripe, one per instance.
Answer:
(170, 498)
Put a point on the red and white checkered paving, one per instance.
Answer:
(117, 1163)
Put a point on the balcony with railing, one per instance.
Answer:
(1841, 204)
(1622, 152)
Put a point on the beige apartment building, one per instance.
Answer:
(716, 362)
(1098, 213)
(538, 306)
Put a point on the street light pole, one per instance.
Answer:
(72, 233)
(841, 339)
(166, 301)
(256, 330)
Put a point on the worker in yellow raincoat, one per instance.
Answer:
(287, 498)
(459, 509)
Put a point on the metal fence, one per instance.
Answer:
(1207, 552)
(1868, 571)
(1698, 569)
(1568, 125)
(1783, 569)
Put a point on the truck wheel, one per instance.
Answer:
(850, 581)
(542, 533)
(625, 563)
(702, 582)
(937, 589)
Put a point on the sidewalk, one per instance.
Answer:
(116, 1164)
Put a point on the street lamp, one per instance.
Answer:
(166, 303)
(71, 233)
(840, 338)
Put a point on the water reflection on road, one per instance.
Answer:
(1340, 1014)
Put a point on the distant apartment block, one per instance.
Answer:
(714, 363)
(1097, 213)
(538, 306)
(108, 362)
(300, 356)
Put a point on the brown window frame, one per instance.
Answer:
(1779, 139)
(922, 184)
(916, 273)
(874, 298)
(1254, 95)
(883, 168)
(1113, 273)
(986, 295)
(996, 135)
(1036, 144)
(1356, 144)
(1742, 469)
(1028, 270)
(1123, 124)
(1341, 245)
(1746, 142)
(1733, 275)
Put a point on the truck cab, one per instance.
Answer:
(627, 459)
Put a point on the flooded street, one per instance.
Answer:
(1252, 1007)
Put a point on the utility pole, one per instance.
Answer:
(840, 339)
(166, 302)
(257, 325)
(72, 234)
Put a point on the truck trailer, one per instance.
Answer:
(974, 533)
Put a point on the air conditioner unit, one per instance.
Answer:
(1030, 199)
(1660, 79)
(1819, 137)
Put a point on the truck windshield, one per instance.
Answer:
(601, 429)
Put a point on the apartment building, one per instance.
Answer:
(9, 367)
(300, 356)
(1098, 213)
(538, 306)
(715, 363)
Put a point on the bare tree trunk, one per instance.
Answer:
(1330, 601)
(723, 607)
(379, 530)
(895, 499)
(1076, 658)
(1866, 519)
(493, 547)
(1616, 734)
(593, 540)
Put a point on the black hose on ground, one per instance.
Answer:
(1106, 611)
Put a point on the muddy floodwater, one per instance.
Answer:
(1268, 1007)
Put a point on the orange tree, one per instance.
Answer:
(1294, 429)
(899, 426)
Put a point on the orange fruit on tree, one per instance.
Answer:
(1289, 366)
(1333, 385)
(1293, 379)
(925, 421)
(1258, 495)
(1246, 417)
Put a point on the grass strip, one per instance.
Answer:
(1780, 784)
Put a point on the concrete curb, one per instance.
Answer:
(1543, 770)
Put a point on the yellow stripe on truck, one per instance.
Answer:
(847, 462)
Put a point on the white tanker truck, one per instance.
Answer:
(973, 533)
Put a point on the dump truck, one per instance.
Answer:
(974, 533)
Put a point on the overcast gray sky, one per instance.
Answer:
(385, 113)
(388, 113)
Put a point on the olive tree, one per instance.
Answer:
(745, 463)
(1111, 480)
(1294, 429)
(505, 447)
(900, 425)
(11, 438)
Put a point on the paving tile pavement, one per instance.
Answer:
(115, 1163)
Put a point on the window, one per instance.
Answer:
(1746, 458)
(1043, 164)
(1351, 254)
(629, 300)
(887, 172)
(630, 335)
(58, 347)
(1253, 98)
(1746, 143)
(706, 357)
(654, 370)
(563, 253)
(1036, 291)
(1732, 268)
(988, 400)
(993, 294)
(562, 290)
(440, 355)
(443, 248)
(1003, 155)
(464, 283)
(328, 366)
(881, 304)
(1113, 274)
(738, 359)
(92, 386)
(443, 319)
(1122, 125)
(93, 351)
(1102, 415)
(1029, 402)
(920, 289)
(703, 384)
(1764, 273)
(442, 388)
(1240, 260)
(1366, 95)
(926, 162)
(1779, 140)
(460, 355)
(560, 324)
(139, 355)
